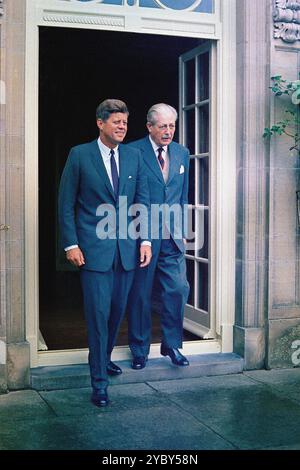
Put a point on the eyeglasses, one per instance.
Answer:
(164, 127)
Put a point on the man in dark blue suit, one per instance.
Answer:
(167, 169)
(98, 177)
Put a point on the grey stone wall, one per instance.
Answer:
(284, 288)
(15, 372)
(3, 345)
(253, 50)
(267, 327)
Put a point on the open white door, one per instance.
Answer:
(197, 70)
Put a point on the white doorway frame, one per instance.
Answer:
(219, 26)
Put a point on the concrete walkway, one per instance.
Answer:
(251, 410)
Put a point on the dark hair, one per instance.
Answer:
(109, 106)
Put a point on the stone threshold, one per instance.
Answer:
(77, 376)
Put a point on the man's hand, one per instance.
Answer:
(145, 255)
(75, 256)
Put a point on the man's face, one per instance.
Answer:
(113, 131)
(162, 132)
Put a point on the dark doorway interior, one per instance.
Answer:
(78, 70)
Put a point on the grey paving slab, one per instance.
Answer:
(58, 377)
(250, 416)
(37, 434)
(159, 427)
(153, 428)
(276, 376)
(199, 383)
(285, 382)
(246, 411)
(122, 397)
(23, 404)
(291, 447)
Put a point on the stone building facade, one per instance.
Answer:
(267, 300)
(256, 256)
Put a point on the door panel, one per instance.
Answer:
(195, 68)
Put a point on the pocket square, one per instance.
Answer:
(181, 169)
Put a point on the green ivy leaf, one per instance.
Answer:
(267, 132)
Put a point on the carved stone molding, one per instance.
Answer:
(1, 7)
(286, 17)
(78, 19)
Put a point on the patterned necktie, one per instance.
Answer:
(114, 172)
(160, 157)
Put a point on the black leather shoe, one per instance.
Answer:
(176, 357)
(138, 362)
(113, 369)
(100, 398)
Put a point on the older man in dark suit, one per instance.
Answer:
(167, 169)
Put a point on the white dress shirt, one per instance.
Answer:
(105, 154)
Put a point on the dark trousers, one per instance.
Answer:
(105, 296)
(168, 268)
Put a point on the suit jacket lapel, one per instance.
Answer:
(151, 160)
(124, 166)
(174, 162)
(100, 167)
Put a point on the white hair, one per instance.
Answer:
(160, 108)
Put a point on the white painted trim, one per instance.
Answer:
(198, 329)
(31, 183)
(127, 18)
(80, 356)
(214, 157)
(226, 178)
(191, 54)
(149, 22)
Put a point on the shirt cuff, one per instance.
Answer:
(146, 243)
(70, 247)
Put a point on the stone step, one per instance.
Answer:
(77, 376)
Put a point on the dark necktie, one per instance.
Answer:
(160, 157)
(114, 172)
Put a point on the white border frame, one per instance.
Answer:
(219, 26)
